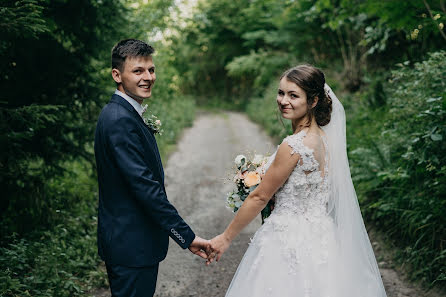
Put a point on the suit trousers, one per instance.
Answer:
(132, 281)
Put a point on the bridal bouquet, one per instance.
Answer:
(247, 177)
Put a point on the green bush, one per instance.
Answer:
(63, 46)
(399, 165)
(61, 260)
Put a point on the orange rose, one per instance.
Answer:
(251, 179)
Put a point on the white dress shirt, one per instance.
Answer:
(132, 102)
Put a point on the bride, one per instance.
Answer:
(314, 244)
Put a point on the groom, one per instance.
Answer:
(135, 218)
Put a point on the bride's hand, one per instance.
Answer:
(219, 244)
(273, 203)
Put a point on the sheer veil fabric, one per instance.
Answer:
(359, 268)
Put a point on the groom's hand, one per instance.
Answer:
(200, 247)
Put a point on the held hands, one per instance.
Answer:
(218, 245)
(210, 249)
(200, 247)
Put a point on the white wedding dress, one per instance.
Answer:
(298, 251)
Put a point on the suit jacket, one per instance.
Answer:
(135, 218)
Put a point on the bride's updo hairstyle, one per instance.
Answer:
(312, 81)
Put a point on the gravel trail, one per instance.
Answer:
(197, 179)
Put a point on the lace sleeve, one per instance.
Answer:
(307, 161)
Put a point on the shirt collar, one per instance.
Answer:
(132, 102)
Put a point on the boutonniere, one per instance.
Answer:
(152, 122)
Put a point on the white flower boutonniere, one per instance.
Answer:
(152, 122)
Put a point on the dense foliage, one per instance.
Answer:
(236, 50)
(53, 54)
(53, 83)
(61, 260)
(399, 165)
(233, 49)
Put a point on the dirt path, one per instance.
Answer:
(196, 184)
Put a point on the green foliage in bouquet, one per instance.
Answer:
(247, 178)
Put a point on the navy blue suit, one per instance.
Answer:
(135, 218)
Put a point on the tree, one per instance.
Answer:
(53, 54)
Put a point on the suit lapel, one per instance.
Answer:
(121, 101)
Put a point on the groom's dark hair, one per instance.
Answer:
(129, 48)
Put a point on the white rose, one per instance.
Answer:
(257, 160)
(235, 196)
(238, 160)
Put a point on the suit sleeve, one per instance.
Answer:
(126, 146)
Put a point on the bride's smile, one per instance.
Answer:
(292, 101)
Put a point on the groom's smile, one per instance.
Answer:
(137, 77)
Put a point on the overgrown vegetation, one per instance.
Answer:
(53, 57)
(399, 165)
(235, 49)
(58, 260)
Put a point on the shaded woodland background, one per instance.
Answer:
(386, 61)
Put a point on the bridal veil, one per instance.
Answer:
(359, 268)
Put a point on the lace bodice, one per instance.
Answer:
(306, 191)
